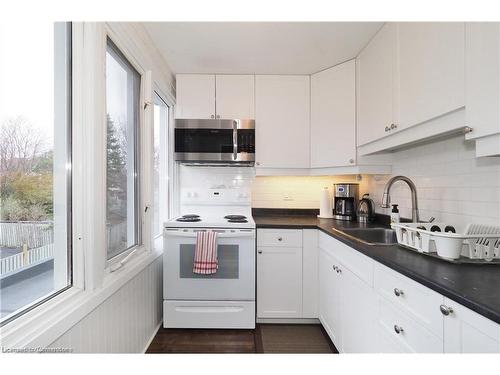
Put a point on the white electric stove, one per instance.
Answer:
(225, 299)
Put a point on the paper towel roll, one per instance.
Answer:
(325, 204)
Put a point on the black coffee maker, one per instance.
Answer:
(345, 201)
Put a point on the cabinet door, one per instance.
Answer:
(310, 273)
(482, 78)
(333, 116)
(431, 70)
(468, 332)
(329, 297)
(279, 282)
(235, 96)
(282, 121)
(358, 314)
(195, 96)
(376, 84)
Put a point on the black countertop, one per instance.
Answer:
(474, 286)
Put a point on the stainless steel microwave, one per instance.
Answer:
(215, 141)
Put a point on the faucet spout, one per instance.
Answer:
(386, 198)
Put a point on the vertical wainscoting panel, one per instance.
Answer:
(125, 322)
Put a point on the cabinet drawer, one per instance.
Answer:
(357, 263)
(279, 237)
(418, 301)
(412, 337)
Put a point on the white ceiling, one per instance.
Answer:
(259, 47)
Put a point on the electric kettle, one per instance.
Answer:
(366, 209)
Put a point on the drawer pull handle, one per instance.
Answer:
(280, 238)
(334, 268)
(398, 292)
(398, 329)
(259, 251)
(445, 310)
(339, 270)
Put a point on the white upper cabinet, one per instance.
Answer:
(208, 96)
(482, 86)
(282, 121)
(376, 69)
(235, 96)
(195, 96)
(431, 70)
(333, 116)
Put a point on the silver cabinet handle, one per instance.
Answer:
(398, 292)
(339, 270)
(445, 310)
(393, 126)
(218, 116)
(398, 329)
(212, 116)
(334, 267)
(351, 161)
(280, 239)
(259, 251)
(387, 129)
(258, 163)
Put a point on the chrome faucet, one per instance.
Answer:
(386, 199)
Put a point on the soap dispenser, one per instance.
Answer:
(394, 214)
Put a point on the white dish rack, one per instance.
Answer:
(474, 243)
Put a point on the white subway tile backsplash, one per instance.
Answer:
(452, 184)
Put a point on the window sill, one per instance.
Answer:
(44, 324)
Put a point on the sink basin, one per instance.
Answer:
(372, 236)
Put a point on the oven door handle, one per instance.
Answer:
(171, 234)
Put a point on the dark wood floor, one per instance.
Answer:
(266, 338)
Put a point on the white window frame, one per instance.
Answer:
(93, 281)
(136, 146)
(63, 184)
(170, 102)
(144, 162)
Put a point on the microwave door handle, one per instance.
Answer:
(235, 140)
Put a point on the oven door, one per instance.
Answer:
(234, 279)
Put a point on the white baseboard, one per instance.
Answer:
(152, 337)
(288, 320)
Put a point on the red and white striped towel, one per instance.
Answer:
(205, 254)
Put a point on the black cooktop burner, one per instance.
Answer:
(235, 217)
(237, 221)
(191, 218)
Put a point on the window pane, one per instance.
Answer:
(35, 165)
(122, 102)
(160, 165)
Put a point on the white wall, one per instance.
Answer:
(123, 323)
(452, 184)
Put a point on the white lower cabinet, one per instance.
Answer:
(367, 307)
(347, 303)
(279, 282)
(287, 274)
(329, 296)
(468, 332)
(358, 312)
(401, 333)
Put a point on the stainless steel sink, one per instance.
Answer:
(372, 236)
